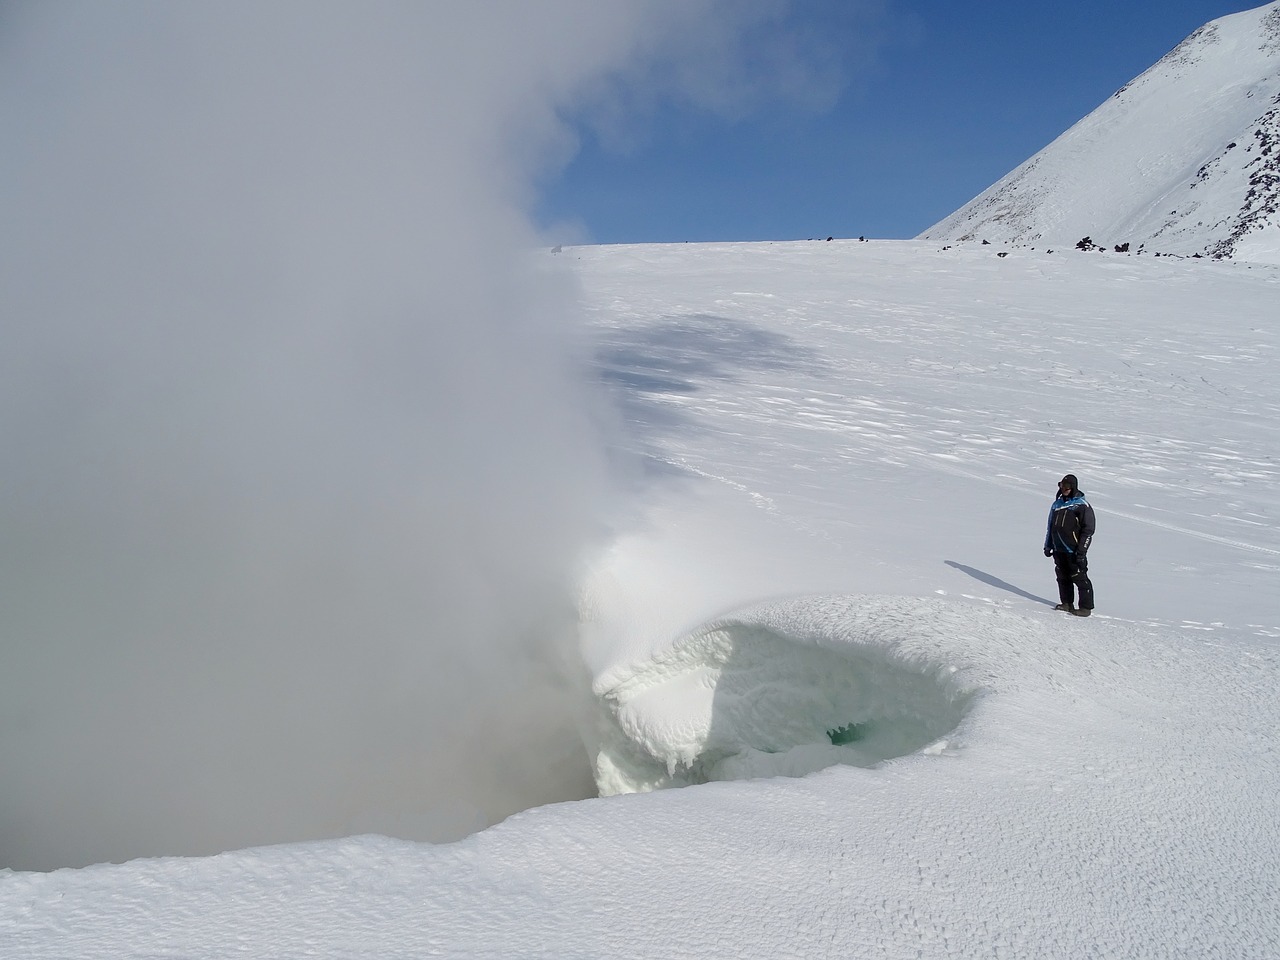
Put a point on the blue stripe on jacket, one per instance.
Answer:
(1061, 504)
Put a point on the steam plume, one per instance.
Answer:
(299, 461)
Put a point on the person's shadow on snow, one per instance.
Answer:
(997, 582)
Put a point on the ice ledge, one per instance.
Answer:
(784, 689)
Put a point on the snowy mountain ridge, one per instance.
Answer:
(1184, 159)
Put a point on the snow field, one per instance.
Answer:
(823, 612)
(1075, 812)
(842, 472)
(891, 382)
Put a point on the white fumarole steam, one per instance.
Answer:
(297, 467)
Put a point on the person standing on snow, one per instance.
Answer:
(1067, 539)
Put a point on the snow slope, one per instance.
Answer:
(846, 456)
(1185, 159)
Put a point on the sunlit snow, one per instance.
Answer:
(1184, 159)
(815, 671)
(833, 580)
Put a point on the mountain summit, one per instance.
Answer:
(1183, 160)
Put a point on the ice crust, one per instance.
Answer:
(768, 691)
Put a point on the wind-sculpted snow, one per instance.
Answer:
(780, 690)
(1107, 791)
(874, 430)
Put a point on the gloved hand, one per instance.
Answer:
(1048, 552)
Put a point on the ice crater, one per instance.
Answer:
(769, 694)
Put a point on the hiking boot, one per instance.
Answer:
(1065, 607)
(1082, 611)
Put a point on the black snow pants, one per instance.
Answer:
(1073, 574)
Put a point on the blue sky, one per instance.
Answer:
(939, 100)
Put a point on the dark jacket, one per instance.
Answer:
(1070, 527)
